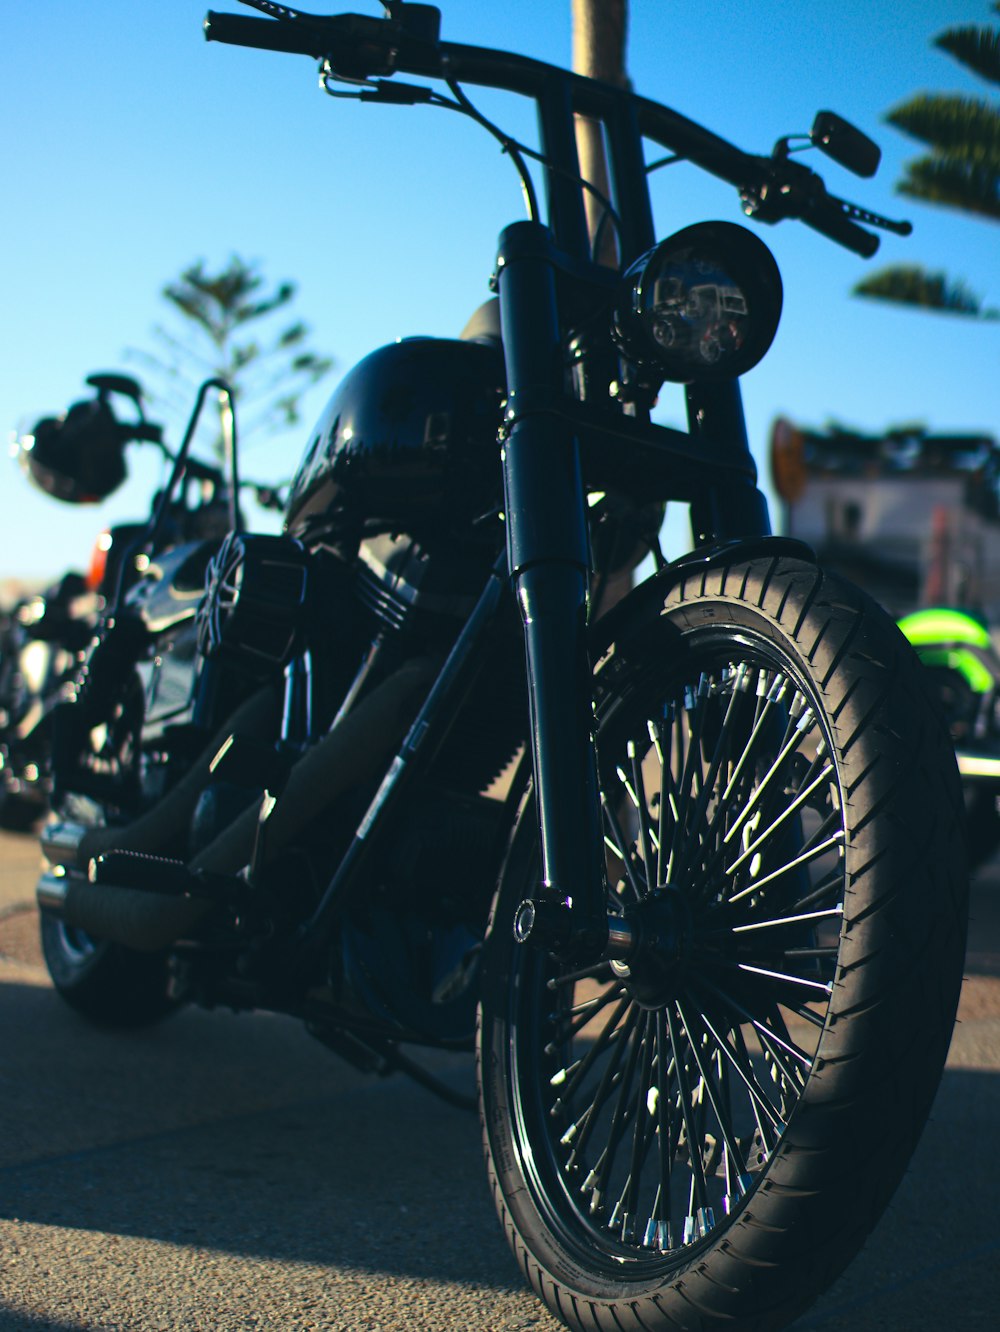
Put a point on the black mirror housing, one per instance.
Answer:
(839, 139)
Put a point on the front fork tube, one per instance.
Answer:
(738, 510)
(548, 553)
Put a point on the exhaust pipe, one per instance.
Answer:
(74, 846)
(50, 891)
(61, 841)
(353, 752)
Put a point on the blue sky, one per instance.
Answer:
(131, 148)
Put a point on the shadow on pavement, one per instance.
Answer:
(241, 1138)
(240, 1135)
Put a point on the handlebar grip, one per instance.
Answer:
(263, 34)
(830, 221)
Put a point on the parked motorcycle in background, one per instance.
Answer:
(914, 518)
(41, 639)
(79, 458)
(688, 876)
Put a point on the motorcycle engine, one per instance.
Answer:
(257, 590)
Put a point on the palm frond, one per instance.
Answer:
(216, 309)
(906, 284)
(976, 48)
(963, 127)
(953, 183)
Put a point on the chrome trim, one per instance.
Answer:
(51, 890)
(60, 842)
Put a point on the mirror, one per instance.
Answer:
(115, 383)
(840, 140)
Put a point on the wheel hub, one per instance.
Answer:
(652, 972)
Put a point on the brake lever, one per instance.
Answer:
(280, 11)
(855, 213)
(787, 189)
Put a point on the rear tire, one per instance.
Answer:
(107, 983)
(705, 1141)
(110, 985)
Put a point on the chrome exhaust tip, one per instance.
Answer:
(61, 841)
(51, 890)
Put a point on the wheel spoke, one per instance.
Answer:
(740, 679)
(571, 977)
(805, 858)
(692, 709)
(713, 1089)
(620, 846)
(645, 834)
(769, 1041)
(569, 1079)
(763, 787)
(832, 885)
(624, 1213)
(739, 1060)
(579, 1132)
(782, 921)
(668, 800)
(699, 1185)
(598, 1179)
(770, 691)
(743, 790)
(659, 1231)
(753, 848)
(579, 1017)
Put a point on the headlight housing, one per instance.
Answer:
(703, 305)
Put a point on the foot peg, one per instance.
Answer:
(170, 878)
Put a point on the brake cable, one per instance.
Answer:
(374, 90)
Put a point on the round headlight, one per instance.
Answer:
(702, 305)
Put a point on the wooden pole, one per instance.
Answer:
(599, 30)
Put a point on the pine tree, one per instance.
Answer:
(221, 333)
(961, 170)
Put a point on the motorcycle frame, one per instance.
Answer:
(547, 435)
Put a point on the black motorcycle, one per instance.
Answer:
(78, 458)
(41, 638)
(688, 874)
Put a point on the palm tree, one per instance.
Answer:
(961, 170)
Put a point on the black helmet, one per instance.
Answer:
(78, 457)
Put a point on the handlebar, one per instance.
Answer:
(788, 189)
(836, 226)
(263, 34)
(357, 47)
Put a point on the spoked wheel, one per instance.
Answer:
(702, 1136)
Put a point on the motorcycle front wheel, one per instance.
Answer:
(703, 1137)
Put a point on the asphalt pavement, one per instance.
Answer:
(224, 1172)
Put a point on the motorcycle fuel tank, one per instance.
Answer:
(407, 442)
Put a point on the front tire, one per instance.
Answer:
(704, 1139)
